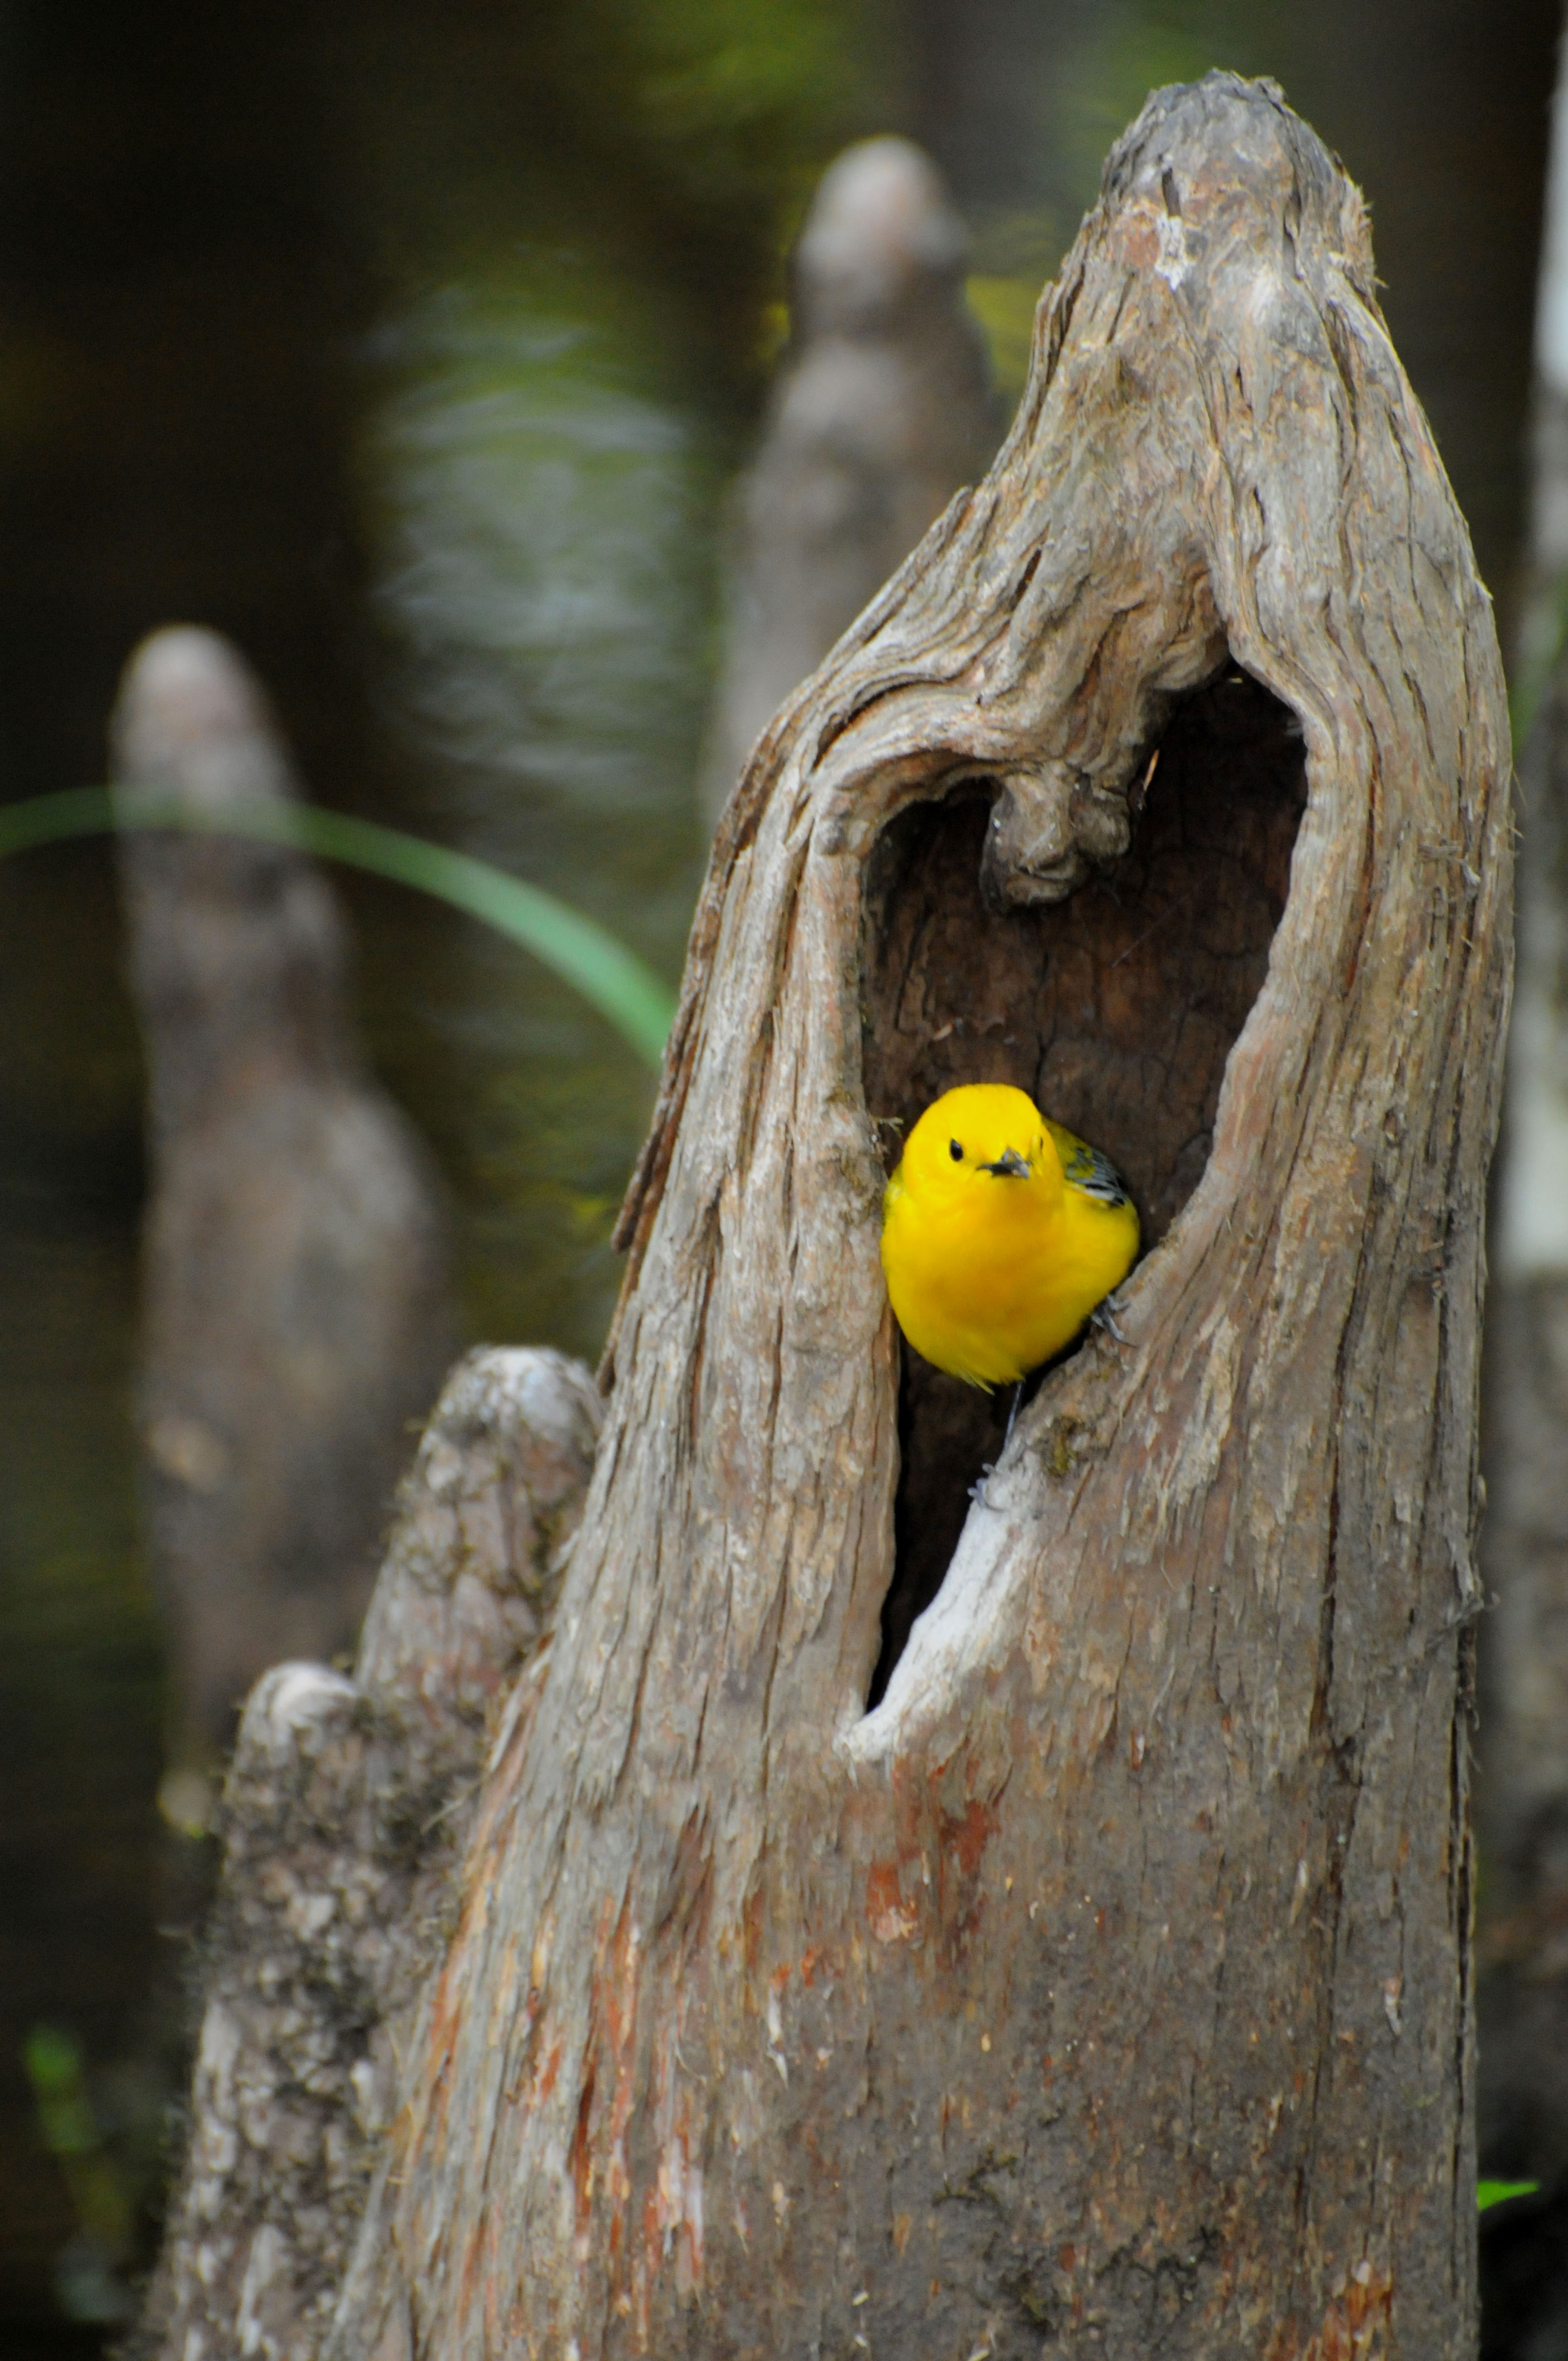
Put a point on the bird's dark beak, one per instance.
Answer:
(1009, 1164)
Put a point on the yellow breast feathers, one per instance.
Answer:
(1001, 1232)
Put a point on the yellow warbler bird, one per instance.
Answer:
(1000, 1234)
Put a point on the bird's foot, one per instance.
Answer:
(978, 1491)
(1103, 1317)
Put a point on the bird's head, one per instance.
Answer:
(983, 1135)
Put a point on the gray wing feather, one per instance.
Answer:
(1094, 1174)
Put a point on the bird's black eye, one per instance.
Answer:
(955, 1151)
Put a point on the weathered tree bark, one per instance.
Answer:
(297, 1311)
(883, 408)
(1105, 1988)
(346, 1808)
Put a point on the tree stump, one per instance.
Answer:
(347, 1804)
(1105, 1987)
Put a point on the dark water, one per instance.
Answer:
(414, 348)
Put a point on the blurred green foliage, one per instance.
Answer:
(1131, 47)
(1005, 309)
(742, 100)
(677, 143)
(88, 2272)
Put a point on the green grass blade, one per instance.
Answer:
(1498, 2193)
(607, 974)
(45, 819)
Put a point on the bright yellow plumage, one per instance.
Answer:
(1000, 1234)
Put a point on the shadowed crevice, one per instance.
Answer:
(1116, 1010)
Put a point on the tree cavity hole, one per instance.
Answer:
(1116, 1009)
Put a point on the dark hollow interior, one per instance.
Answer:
(1115, 1010)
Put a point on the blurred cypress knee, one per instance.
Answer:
(297, 1312)
(883, 408)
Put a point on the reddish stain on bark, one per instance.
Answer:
(890, 1918)
(551, 2068)
(962, 1837)
(1354, 2327)
(753, 1921)
(612, 2019)
(471, 2261)
(648, 2267)
(582, 2162)
(969, 1835)
(1139, 243)
(447, 2010)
